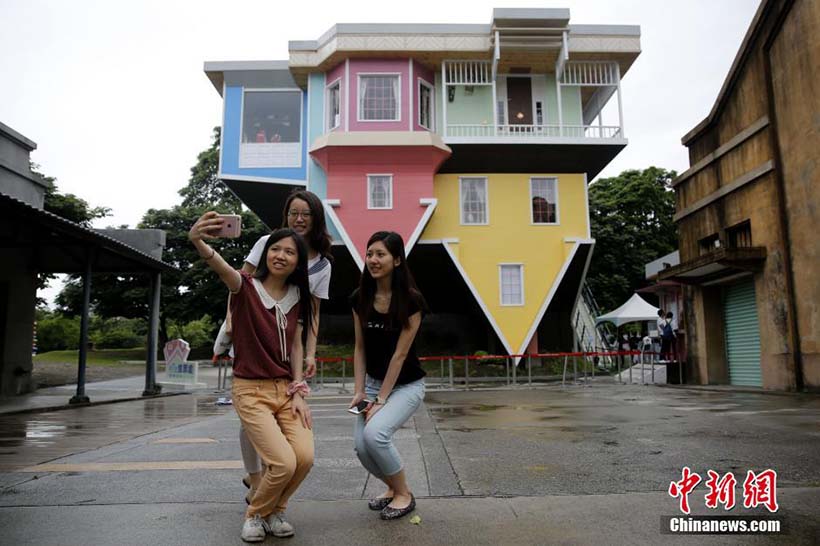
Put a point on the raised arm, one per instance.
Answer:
(203, 229)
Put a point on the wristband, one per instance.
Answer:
(301, 387)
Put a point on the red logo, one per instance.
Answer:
(760, 489)
(682, 488)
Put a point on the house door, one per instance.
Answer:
(742, 334)
(519, 97)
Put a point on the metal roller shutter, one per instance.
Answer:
(742, 334)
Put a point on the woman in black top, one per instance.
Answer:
(387, 311)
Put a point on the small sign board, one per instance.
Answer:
(177, 367)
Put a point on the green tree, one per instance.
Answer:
(193, 291)
(631, 222)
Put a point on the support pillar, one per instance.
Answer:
(80, 397)
(151, 387)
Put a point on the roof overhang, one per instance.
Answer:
(522, 158)
(56, 245)
(716, 265)
(216, 70)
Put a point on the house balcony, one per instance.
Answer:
(532, 134)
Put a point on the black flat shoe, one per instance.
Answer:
(380, 503)
(396, 513)
(246, 482)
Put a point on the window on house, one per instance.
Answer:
(425, 105)
(740, 236)
(500, 113)
(708, 244)
(473, 193)
(379, 98)
(539, 113)
(511, 279)
(379, 191)
(334, 116)
(271, 116)
(544, 199)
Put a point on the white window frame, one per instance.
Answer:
(246, 90)
(557, 221)
(461, 180)
(359, 97)
(432, 112)
(389, 191)
(501, 267)
(335, 83)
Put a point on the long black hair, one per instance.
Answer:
(299, 277)
(318, 238)
(402, 285)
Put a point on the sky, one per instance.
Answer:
(115, 96)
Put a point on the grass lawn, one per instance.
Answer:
(60, 367)
(105, 357)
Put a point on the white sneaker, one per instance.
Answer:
(254, 529)
(278, 527)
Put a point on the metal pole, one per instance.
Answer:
(151, 387)
(507, 369)
(322, 374)
(564, 375)
(514, 373)
(344, 379)
(451, 371)
(80, 397)
(441, 365)
(466, 373)
(529, 370)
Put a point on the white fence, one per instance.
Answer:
(533, 131)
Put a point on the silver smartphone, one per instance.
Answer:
(360, 407)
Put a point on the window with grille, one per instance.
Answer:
(379, 191)
(740, 236)
(425, 105)
(473, 193)
(379, 98)
(539, 113)
(511, 279)
(334, 116)
(544, 199)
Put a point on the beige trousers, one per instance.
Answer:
(282, 442)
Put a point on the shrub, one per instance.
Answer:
(57, 333)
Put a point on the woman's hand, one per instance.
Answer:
(207, 223)
(372, 410)
(357, 397)
(299, 406)
(310, 367)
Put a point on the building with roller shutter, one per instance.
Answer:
(748, 211)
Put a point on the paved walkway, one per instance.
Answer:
(574, 465)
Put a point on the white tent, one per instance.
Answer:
(636, 309)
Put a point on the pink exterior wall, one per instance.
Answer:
(412, 167)
(423, 73)
(394, 66)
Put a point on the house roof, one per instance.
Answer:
(57, 245)
(743, 54)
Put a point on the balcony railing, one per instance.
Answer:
(533, 132)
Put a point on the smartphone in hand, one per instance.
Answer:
(360, 407)
(231, 226)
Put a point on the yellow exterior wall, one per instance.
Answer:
(510, 237)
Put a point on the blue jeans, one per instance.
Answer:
(374, 442)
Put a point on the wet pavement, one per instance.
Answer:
(575, 465)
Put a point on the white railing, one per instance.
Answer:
(594, 73)
(468, 72)
(533, 131)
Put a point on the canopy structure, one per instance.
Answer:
(636, 309)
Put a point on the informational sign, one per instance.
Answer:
(177, 367)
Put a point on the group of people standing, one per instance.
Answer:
(274, 319)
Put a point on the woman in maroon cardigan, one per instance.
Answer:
(269, 310)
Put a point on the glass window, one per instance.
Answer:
(512, 281)
(473, 200)
(334, 105)
(379, 191)
(271, 116)
(425, 106)
(539, 113)
(544, 196)
(379, 98)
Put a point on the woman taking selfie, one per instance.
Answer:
(387, 312)
(270, 311)
(304, 214)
